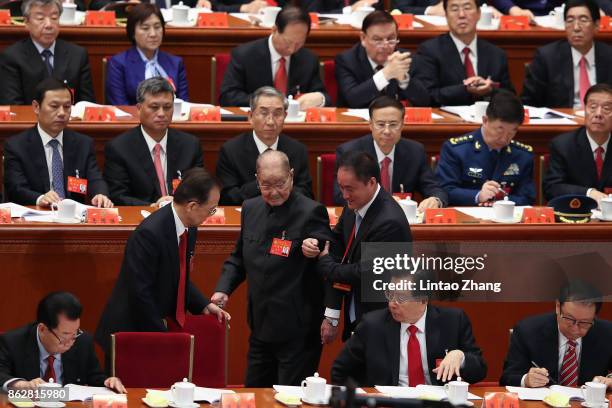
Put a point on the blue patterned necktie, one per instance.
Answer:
(46, 56)
(57, 170)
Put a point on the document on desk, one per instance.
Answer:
(538, 394)
(210, 395)
(18, 211)
(546, 113)
(78, 110)
(486, 213)
(295, 391)
(84, 393)
(559, 121)
(420, 391)
(439, 21)
(465, 112)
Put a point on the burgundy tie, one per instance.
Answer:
(415, 365)
(385, 178)
(158, 169)
(50, 373)
(599, 161)
(569, 367)
(467, 62)
(180, 296)
(280, 79)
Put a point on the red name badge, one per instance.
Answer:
(402, 196)
(77, 185)
(175, 183)
(607, 190)
(5, 113)
(272, 3)
(100, 18)
(514, 23)
(321, 115)
(280, 247)
(99, 114)
(102, 215)
(345, 287)
(418, 115)
(214, 20)
(314, 20)
(404, 21)
(605, 23)
(5, 17)
(5, 215)
(212, 114)
(440, 216)
(538, 215)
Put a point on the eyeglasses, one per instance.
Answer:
(212, 211)
(606, 109)
(275, 114)
(278, 186)
(400, 298)
(391, 42)
(65, 341)
(466, 8)
(584, 325)
(383, 125)
(581, 21)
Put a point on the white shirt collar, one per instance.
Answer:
(380, 155)
(46, 138)
(274, 54)
(420, 324)
(261, 146)
(460, 45)
(180, 227)
(374, 64)
(563, 341)
(44, 354)
(144, 57)
(577, 56)
(40, 48)
(363, 210)
(594, 145)
(151, 142)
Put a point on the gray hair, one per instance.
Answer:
(26, 6)
(153, 86)
(266, 91)
(276, 156)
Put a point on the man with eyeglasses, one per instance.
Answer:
(237, 157)
(285, 292)
(411, 342)
(404, 166)
(459, 68)
(154, 290)
(562, 72)
(579, 160)
(52, 348)
(568, 347)
(375, 66)
(279, 60)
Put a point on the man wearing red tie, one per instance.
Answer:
(153, 284)
(410, 343)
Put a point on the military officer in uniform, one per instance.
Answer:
(486, 165)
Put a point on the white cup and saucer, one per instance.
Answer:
(69, 14)
(557, 18)
(486, 18)
(314, 389)
(294, 114)
(594, 395)
(177, 114)
(410, 210)
(503, 211)
(182, 395)
(64, 212)
(180, 16)
(49, 389)
(606, 208)
(267, 16)
(457, 392)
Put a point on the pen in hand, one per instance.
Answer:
(550, 380)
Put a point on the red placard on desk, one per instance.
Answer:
(538, 215)
(607, 190)
(238, 400)
(314, 20)
(440, 216)
(417, 115)
(272, 3)
(514, 23)
(100, 18)
(5, 215)
(213, 20)
(525, 116)
(102, 216)
(5, 17)
(605, 23)
(209, 114)
(321, 115)
(404, 21)
(5, 113)
(99, 114)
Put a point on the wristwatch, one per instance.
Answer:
(333, 322)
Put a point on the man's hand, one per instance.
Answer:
(398, 65)
(363, 3)
(325, 250)
(102, 201)
(310, 247)
(328, 332)
(450, 366)
(517, 11)
(114, 383)
(217, 311)
(253, 7)
(478, 85)
(161, 200)
(437, 10)
(430, 202)
(536, 377)
(311, 100)
(488, 191)
(220, 299)
(27, 384)
(204, 4)
(597, 195)
(50, 197)
(604, 380)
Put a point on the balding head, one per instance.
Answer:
(274, 177)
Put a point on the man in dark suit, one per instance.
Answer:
(375, 67)
(404, 167)
(282, 62)
(285, 292)
(53, 347)
(144, 165)
(458, 68)
(48, 162)
(153, 284)
(370, 215)
(555, 77)
(236, 164)
(26, 63)
(570, 347)
(388, 345)
(580, 162)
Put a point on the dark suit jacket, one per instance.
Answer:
(285, 294)
(571, 168)
(243, 77)
(410, 168)
(26, 175)
(236, 167)
(371, 356)
(130, 172)
(549, 80)
(356, 88)
(145, 291)
(440, 69)
(22, 68)
(126, 70)
(412, 6)
(537, 339)
(20, 358)
(384, 222)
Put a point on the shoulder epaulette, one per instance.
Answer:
(461, 139)
(522, 146)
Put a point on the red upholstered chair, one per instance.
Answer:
(326, 172)
(150, 359)
(218, 65)
(544, 163)
(328, 74)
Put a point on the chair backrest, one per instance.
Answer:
(326, 169)
(544, 162)
(218, 66)
(151, 359)
(328, 75)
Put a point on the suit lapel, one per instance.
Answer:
(399, 170)
(364, 63)
(137, 70)
(550, 351)
(172, 155)
(69, 367)
(141, 151)
(365, 224)
(566, 64)
(392, 342)
(585, 155)
(172, 245)
(251, 153)
(602, 69)
(484, 69)
(38, 158)
(266, 62)
(455, 64)
(432, 338)
(70, 159)
(32, 357)
(35, 59)
(60, 61)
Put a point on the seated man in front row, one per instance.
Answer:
(388, 345)
(571, 346)
(403, 163)
(486, 165)
(54, 347)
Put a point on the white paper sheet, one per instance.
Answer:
(365, 115)
(209, 395)
(561, 121)
(486, 213)
(549, 22)
(546, 113)
(415, 392)
(18, 211)
(82, 393)
(297, 391)
(186, 108)
(465, 112)
(529, 394)
(78, 110)
(340, 18)
(435, 20)
(242, 16)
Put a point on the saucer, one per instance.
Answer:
(183, 24)
(602, 404)
(319, 403)
(466, 403)
(67, 220)
(153, 405)
(301, 117)
(512, 221)
(49, 404)
(79, 17)
(192, 405)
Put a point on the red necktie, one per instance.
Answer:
(467, 63)
(415, 365)
(569, 367)
(180, 296)
(385, 178)
(158, 169)
(584, 82)
(599, 161)
(50, 373)
(280, 79)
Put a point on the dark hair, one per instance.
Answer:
(196, 185)
(377, 17)
(361, 163)
(385, 101)
(138, 14)
(417, 277)
(505, 106)
(577, 290)
(477, 2)
(55, 304)
(50, 84)
(291, 14)
(597, 88)
(590, 4)
(153, 86)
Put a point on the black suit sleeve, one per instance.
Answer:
(232, 192)
(118, 178)
(474, 367)
(197, 301)
(7, 367)
(84, 92)
(351, 360)
(10, 81)
(301, 179)
(535, 82)
(356, 94)
(518, 361)
(15, 180)
(95, 181)
(428, 185)
(233, 272)
(95, 375)
(233, 86)
(555, 179)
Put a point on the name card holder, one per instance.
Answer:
(314, 20)
(240, 400)
(99, 114)
(5, 17)
(418, 115)
(217, 219)
(538, 215)
(100, 18)
(514, 23)
(404, 21)
(209, 114)
(321, 115)
(5, 215)
(213, 20)
(501, 400)
(525, 116)
(102, 216)
(440, 216)
(272, 3)
(605, 23)
(5, 113)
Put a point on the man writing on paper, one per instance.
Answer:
(49, 162)
(53, 347)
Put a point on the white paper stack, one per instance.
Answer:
(210, 395)
(436, 391)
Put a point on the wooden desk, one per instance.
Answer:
(85, 259)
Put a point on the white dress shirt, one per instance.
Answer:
(261, 146)
(590, 66)
(379, 77)
(162, 152)
(46, 138)
(275, 60)
(594, 147)
(404, 337)
(180, 227)
(40, 49)
(473, 50)
(380, 156)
